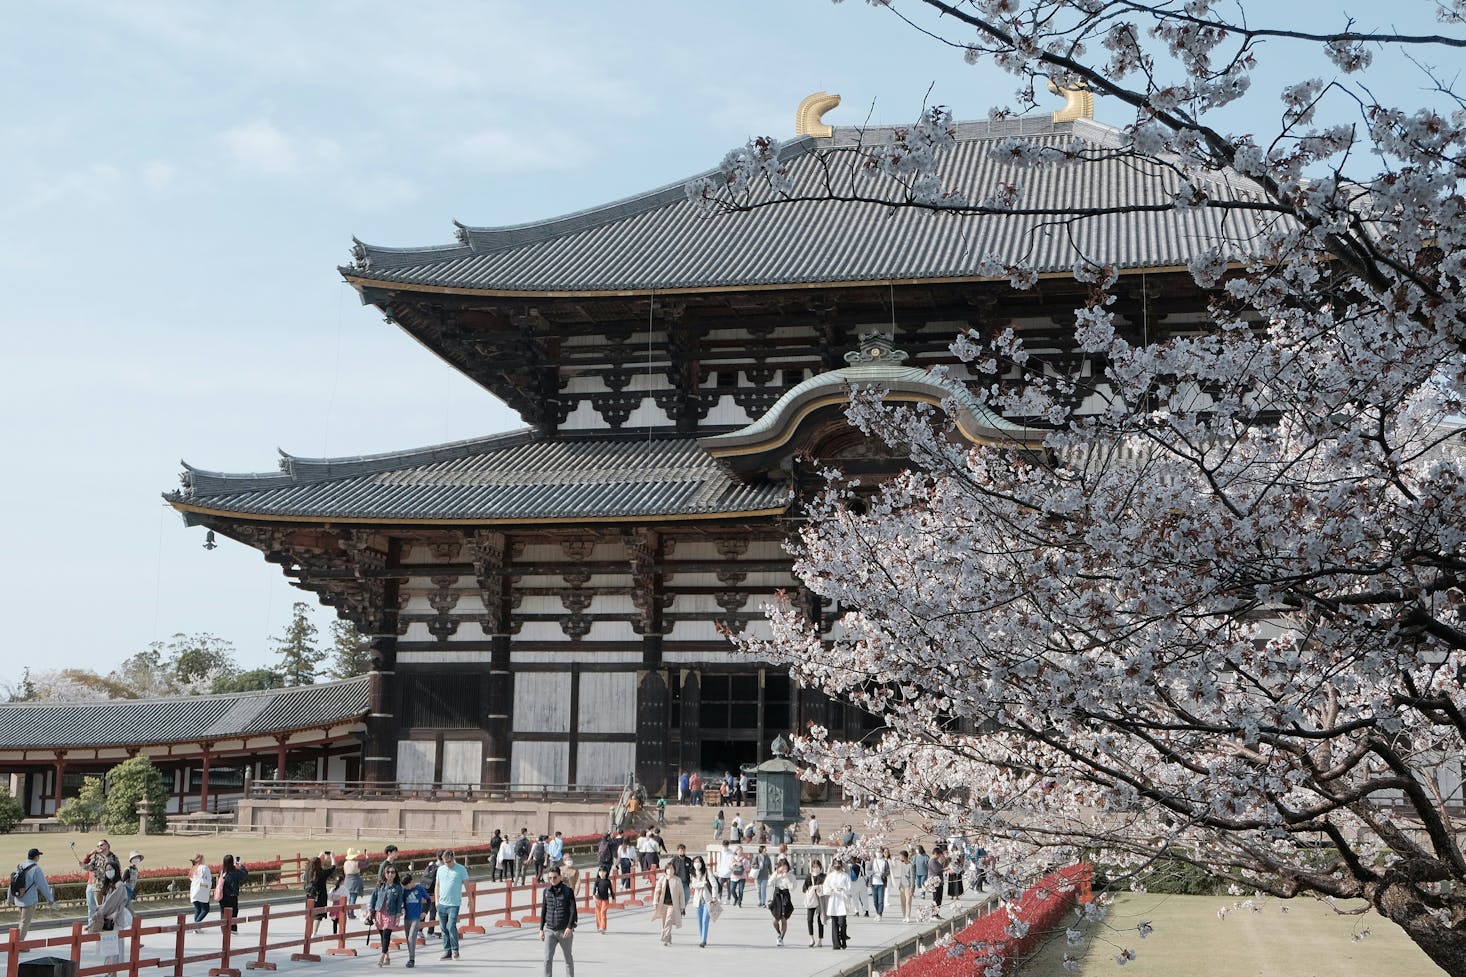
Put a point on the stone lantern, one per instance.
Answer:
(778, 790)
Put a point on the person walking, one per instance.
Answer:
(200, 887)
(723, 868)
(737, 875)
(694, 784)
(902, 878)
(429, 881)
(880, 874)
(504, 864)
(557, 921)
(718, 826)
(355, 887)
(936, 881)
(415, 905)
(537, 858)
(704, 898)
(602, 891)
(814, 901)
(837, 904)
(859, 888)
(448, 894)
(682, 865)
(522, 849)
(384, 911)
(814, 830)
(781, 899)
(132, 874)
(389, 857)
(625, 861)
(555, 850)
(232, 876)
(569, 874)
(317, 885)
(762, 869)
(33, 879)
(921, 864)
(111, 916)
(669, 902)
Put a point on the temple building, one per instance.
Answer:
(551, 605)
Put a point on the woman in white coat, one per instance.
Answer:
(668, 902)
(704, 900)
(837, 903)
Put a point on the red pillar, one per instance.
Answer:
(60, 772)
(204, 785)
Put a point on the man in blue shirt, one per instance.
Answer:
(448, 894)
(555, 851)
(35, 887)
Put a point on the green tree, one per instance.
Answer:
(127, 784)
(85, 809)
(23, 690)
(186, 664)
(299, 654)
(11, 811)
(350, 655)
(251, 680)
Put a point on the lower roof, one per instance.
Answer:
(517, 477)
(189, 719)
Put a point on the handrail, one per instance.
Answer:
(411, 790)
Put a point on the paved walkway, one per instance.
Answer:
(741, 944)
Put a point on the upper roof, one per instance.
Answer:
(514, 477)
(192, 719)
(657, 241)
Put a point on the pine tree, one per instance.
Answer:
(299, 655)
(350, 655)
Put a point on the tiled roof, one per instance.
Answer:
(658, 241)
(142, 722)
(503, 478)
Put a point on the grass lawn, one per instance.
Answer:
(1309, 940)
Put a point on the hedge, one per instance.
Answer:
(1006, 935)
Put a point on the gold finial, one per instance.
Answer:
(1078, 102)
(807, 116)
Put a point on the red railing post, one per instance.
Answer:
(259, 962)
(632, 901)
(534, 902)
(226, 930)
(134, 950)
(76, 944)
(180, 928)
(310, 926)
(12, 953)
(473, 927)
(342, 921)
(508, 919)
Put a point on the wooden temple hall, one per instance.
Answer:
(548, 605)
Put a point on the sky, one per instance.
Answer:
(180, 181)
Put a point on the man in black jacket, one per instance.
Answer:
(557, 921)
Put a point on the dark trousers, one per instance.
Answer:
(815, 918)
(839, 935)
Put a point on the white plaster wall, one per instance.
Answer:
(415, 761)
(463, 761)
(604, 763)
(565, 658)
(435, 656)
(539, 762)
(607, 703)
(727, 411)
(542, 702)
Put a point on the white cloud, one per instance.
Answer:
(499, 149)
(263, 147)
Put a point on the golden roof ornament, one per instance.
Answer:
(876, 347)
(807, 116)
(1078, 102)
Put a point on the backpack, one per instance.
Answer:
(17, 881)
(521, 848)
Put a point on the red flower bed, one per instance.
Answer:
(1005, 935)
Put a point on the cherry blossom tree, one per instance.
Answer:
(1217, 617)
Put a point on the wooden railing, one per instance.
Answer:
(305, 943)
(365, 790)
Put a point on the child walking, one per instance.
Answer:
(415, 905)
(601, 891)
(385, 910)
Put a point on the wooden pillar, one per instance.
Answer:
(492, 555)
(204, 780)
(691, 697)
(280, 754)
(60, 773)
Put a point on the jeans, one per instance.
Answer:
(920, 881)
(409, 932)
(704, 920)
(200, 910)
(763, 892)
(735, 889)
(91, 900)
(878, 896)
(554, 938)
(448, 916)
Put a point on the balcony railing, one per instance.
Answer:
(402, 790)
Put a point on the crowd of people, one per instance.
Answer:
(427, 902)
